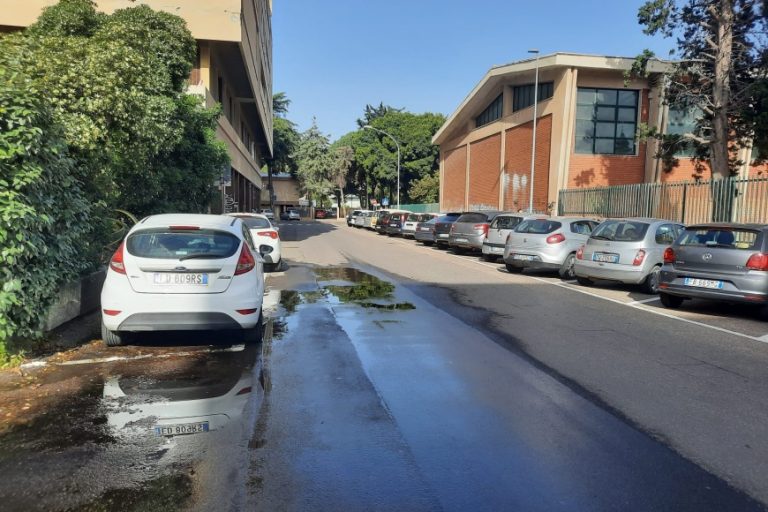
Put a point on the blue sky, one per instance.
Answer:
(332, 58)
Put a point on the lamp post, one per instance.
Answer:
(535, 113)
(369, 127)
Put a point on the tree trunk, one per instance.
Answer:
(718, 150)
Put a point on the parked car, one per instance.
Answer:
(369, 220)
(411, 222)
(722, 262)
(626, 250)
(547, 243)
(320, 213)
(183, 272)
(469, 230)
(443, 228)
(498, 232)
(267, 213)
(290, 215)
(265, 237)
(351, 216)
(425, 231)
(395, 223)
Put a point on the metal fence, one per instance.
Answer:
(421, 208)
(720, 200)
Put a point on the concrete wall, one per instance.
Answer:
(76, 299)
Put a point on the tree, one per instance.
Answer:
(343, 157)
(313, 162)
(426, 189)
(718, 76)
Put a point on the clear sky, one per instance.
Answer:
(332, 58)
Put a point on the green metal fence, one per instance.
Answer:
(421, 208)
(723, 200)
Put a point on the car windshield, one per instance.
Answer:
(255, 222)
(620, 231)
(170, 244)
(731, 238)
(538, 226)
(505, 222)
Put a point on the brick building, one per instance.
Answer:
(585, 134)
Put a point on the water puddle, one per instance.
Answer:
(346, 285)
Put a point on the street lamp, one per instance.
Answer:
(535, 113)
(369, 127)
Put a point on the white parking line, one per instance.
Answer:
(644, 301)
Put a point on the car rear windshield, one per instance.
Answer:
(731, 238)
(473, 217)
(255, 222)
(621, 231)
(170, 244)
(414, 217)
(447, 218)
(505, 222)
(538, 226)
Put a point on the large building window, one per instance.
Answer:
(522, 95)
(606, 121)
(682, 121)
(492, 113)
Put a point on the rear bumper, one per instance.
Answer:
(467, 241)
(142, 322)
(442, 238)
(609, 272)
(749, 288)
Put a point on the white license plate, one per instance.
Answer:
(423, 229)
(175, 278)
(523, 257)
(461, 240)
(497, 249)
(703, 283)
(442, 235)
(605, 257)
(181, 429)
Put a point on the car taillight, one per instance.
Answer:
(271, 234)
(580, 253)
(116, 263)
(556, 238)
(481, 227)
(669, 255)
(245, 263)
(758, 261)
(184, 228)
(639, 257)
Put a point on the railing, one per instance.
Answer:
(421, 208)
(742, 200)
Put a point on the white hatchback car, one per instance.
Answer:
(184, 272)
(265, 236)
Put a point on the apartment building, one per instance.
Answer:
(587, 117)
(233, 67)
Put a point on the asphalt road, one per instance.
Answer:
(399, 377)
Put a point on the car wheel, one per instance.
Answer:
(427, 242)
(567, 271)
(254, 334)
(651, 283)
(488, 258)
(512, 269)
(583, 281)
(111, 338)
(670, 301)
(458, 250)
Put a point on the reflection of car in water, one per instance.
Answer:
(204, 398)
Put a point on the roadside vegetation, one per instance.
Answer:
(95, 121)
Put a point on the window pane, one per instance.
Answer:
(585, 96)
(604, 146)
(625, 147)
(606, 96)
(628, 98)
(584, 128)
(584, 145)
(627, 114)
(585, 112)
(606, 113)
(625, 130)
(605, 129)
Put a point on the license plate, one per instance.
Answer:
(424, 229)
(181, 429)
(497, 249)
(703, 283)
(173, 278)
(442, 235)
(605, 257)
(461, 240)
(523, 257)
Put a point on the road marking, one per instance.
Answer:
(764, 338)
(644, 301)
(112, 359)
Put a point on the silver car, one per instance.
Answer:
(499, 230)
(359, 219)
(469, 231)
(351, 216)
(409, 227)
(724, 262)
(626, 250)
(425, 231)
(549, 243)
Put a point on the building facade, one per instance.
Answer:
(587, 117)
(233, 67)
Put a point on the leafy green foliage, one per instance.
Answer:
(426, 189)
(313, 162)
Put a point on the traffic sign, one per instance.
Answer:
(385, 201)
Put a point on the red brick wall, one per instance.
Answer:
(517, 164)
(484, 161)
(455, 176)
(603, 170)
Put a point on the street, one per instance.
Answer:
(394, 376)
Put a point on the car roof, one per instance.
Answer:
(649, 220)
(184, 219)
(726, 225)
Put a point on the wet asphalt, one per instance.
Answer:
(363, 395)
